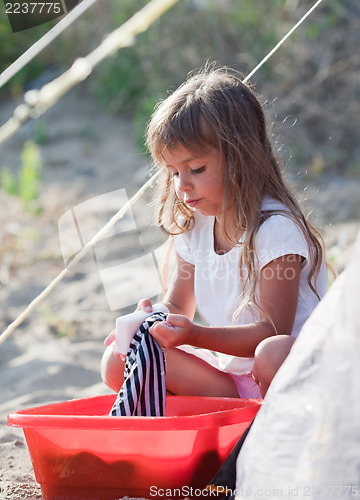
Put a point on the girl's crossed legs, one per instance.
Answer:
(189, 375)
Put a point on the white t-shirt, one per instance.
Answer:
(217, 284)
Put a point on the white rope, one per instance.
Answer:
(41, 44)
(123, 210)
(278, 45)
(77, 258)
(38, 101)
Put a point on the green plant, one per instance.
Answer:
(27, 185)
(30, 176)
(8, 181)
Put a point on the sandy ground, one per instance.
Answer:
(55, 354)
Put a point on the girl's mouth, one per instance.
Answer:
(192, 203)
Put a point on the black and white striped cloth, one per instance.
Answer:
(143, 392)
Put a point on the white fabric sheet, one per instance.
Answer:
(305, 441)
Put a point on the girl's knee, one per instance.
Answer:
(269, 356)
(274, 350)
(112, 370)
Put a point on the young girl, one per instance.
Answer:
(245, 255)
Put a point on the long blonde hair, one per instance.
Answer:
(214, 108)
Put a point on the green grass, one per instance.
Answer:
(27, 185)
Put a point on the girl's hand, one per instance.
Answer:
(176, 330)
(110, 338)
(145, 305)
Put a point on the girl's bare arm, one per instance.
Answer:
(179, 298)
(279, 289)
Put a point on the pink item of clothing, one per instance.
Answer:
(246, 386)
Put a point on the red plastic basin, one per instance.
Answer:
(80, 453)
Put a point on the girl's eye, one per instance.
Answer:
(172, 173)
(198, 170)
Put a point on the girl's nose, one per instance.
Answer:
(183, 184)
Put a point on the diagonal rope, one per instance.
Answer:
(278, 45)
(123, 210)
(41, 44)
(38, 101)
(78, 257)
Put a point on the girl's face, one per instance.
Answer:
(199, 178)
